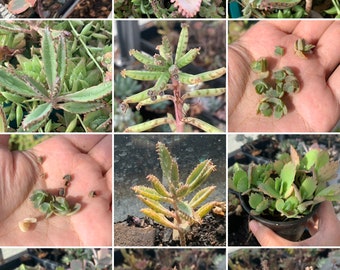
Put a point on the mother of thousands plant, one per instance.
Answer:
(289, 187)
(163, 67)
(184, 213)
(51, 81)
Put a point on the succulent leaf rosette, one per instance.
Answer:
(290, 187)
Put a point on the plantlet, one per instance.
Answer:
(291, 186)
(184, 213)
(301, 48)
(48, 92)
(163, 67)
(285, 82)
(49, 204)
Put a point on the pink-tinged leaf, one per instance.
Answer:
(187, 8)
(19, 6)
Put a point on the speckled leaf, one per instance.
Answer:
(40, 113)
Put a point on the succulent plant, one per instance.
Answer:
(289, 187)
(56, 87)
(184, 212)
(162, 68)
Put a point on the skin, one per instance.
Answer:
(88, 158)
(316, 106)
(324, 229)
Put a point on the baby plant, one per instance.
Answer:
(184, 212)
(49, 204)
(289, 187)
(48, 91)
(163, 67)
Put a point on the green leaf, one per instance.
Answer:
(287, 176)
(14, 84)
(322, 159)
(200, 174)
(307, 188)
(89, 94)
(310, 158)
(185, 209)
(201, 196)
(329, 191)
(165, 160)
(49, 59)
(255, 199)
(80, 108)
(3, 121)
(240, 180)
(61, 58)
(39, 114)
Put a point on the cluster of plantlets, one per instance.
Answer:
(163, 67)
(291, 186)
(64, 85)
(184, 213)
(49, 204)
(285, 82)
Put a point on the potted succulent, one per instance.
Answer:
(284, 193)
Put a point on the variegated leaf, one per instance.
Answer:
(89, 94)
(201, 196)
(161, 219)
(49, 59)
(76, 107)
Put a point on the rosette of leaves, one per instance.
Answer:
(289, 187)
(165, 67)
(184, 211)
(47, 92)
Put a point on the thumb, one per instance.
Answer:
(266, 236)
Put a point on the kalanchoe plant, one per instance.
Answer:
(184, 212)
(47, 92)
(289, 187)
(163, 67)
(49, 204)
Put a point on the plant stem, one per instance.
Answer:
(178, 103)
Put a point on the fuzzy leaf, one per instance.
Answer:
(165, 160)
(49, 59)
(200, 173)
(161, 219)
(156, 206)
(201, 196)
(205, 209)
(89, 94)
(182, 191)
(39, 114)
(158, 186)
(185, 208)
(149, 193)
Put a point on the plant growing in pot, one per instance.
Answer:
(283, 194)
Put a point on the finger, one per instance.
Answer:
(334, 83)
(327, 48)
(84, 142)
(266, 236)
(102, 153)
(285, 26)
(4, 141)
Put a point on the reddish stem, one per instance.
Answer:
(178, 103)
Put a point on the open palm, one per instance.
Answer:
(316, 106)
(88, 159)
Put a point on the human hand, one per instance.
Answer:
(88, 159)
(324, 230)
(316, 106)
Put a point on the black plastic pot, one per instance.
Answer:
(291, 229)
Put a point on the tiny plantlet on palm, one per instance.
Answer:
(49, 204)
(165, 67)
(185, 212)
(302, 48)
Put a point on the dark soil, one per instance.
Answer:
(138, 232)
(56, 8)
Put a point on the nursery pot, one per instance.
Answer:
(291, 229)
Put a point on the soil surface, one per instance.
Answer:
(139, 232)
(56, 8)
